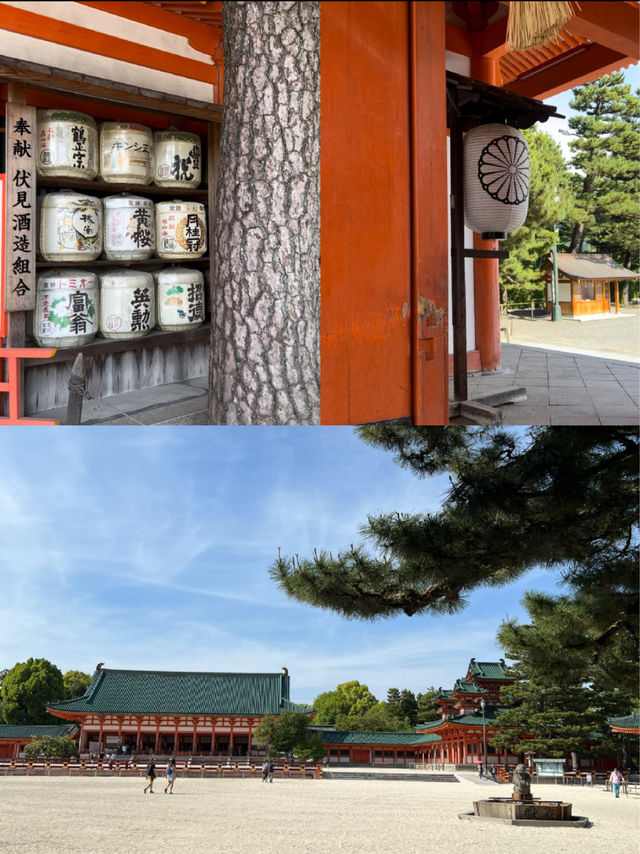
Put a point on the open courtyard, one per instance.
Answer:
(102, 816)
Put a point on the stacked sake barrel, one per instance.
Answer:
(74, 303)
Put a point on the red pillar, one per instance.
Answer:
(486, 285)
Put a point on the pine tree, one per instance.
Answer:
(555, 497)
(563, 694)
(606, 156)
(550, 198)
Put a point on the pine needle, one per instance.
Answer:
(532, 24)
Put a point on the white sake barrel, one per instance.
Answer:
(127, 303)
(178, 157)
(129, 228)
(180, 299)
(67, 145)
(70, 227)
(181, 230)
(126, 153)
(67, 308)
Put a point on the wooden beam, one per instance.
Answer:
(612, 25)
(583, 65)
(59, 32)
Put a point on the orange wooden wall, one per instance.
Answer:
(365, 201)
(383, 212)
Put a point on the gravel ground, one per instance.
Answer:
(101, 816)
(619, 335)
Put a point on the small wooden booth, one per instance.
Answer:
(588, 284)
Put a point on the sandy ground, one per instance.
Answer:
(62, 816)
(618, 335)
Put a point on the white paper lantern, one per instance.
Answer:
(496, 180)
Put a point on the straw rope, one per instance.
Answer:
(532, 24)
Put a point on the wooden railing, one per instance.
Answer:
(121, 767)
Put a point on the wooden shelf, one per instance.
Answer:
(103, 188)
(105, 346)
(101, 262)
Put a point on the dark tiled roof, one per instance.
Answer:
(397, 738)
(37, 730)
(159, 692)
(444, 695)
(593, 266)
(488, 669)
(631, 721)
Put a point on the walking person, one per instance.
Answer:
(150, 774)
(265, 771)
(270, 770)
(492, 771)
(615, 779)
(171, 775)
(481, 770)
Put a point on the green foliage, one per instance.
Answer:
(550, 199)
(606, 156)
(379, 718)
(427, 710)
(289, 733)
(51, 746)
(349, 699)
(555, 497)
(403, 706)
(75, 684)
(26, 690)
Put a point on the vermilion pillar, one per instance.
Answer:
(486, 275)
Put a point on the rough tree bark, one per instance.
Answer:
(265, 348)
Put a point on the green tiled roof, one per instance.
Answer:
(39, 731)
(429, 724)
(398, 738)
(464, 687)
(444, 695)
(162, 693)
(631, 721)
(465, 720)
(488, 669)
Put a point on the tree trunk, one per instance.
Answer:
(577, 238)
(265, 310)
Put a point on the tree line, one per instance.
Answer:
(592, 200)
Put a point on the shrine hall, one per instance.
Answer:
(174, 712)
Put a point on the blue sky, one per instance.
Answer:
(150, 549)
(561, 102)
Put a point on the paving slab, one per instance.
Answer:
(572, 388)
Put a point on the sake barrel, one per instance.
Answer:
(67, 307)
(67, 145)
(70, 227)
(177, 157)
(181, 230)
(126, 153)
(127, 303)
(129, 228)
(180, 299)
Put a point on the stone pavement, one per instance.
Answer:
(175, 403)
(573, 373)
(562, 387)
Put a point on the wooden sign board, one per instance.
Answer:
(20, 229)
